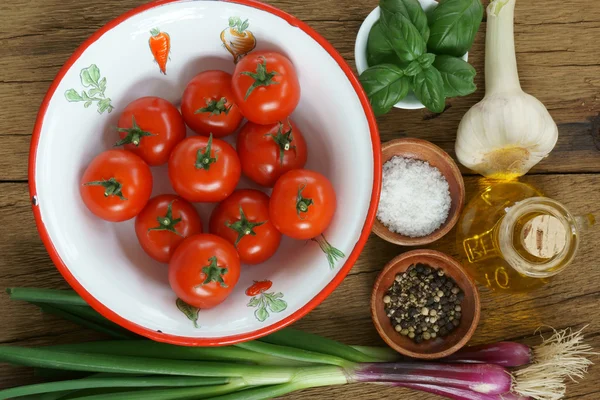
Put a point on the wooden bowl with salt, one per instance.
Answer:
(425, 151)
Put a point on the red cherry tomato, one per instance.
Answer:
(164, 223)
(151, 127)
(116, 185)
(243, 219)
(258, 287)
(302, 204)
(266, 87)
(204, 169)
(268, 151)
(204, 270)
(207, 104)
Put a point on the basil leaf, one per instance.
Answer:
(457, 75)
(379, 51)
(429, 89)
(426, 60)
(385, 85)
(412, 10)
(402, 36)
(453, 25)
(413, 68)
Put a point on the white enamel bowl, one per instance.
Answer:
(410, 102)
(103, 261)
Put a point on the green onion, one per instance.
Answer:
(199, 392)
(57, 359)
(32, 295)
(147, 348)
(115, 332)
(99, 382)
(291, 353)
(308, 341)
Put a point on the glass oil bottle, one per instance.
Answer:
(511, 238)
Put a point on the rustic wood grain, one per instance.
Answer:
(557, 44)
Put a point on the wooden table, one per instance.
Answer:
(558, 45)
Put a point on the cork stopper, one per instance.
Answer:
(544, 236)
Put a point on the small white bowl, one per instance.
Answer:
(410, 102)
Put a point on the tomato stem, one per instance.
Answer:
(284, 141)
(203, 158)
(134, 134)
(261, 77)
(243, 227)
(214, 273)
(302, 203)
(167, 223)
(215, 107)
(331, 252)
(111, 186)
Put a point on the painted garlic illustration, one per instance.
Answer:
(237, 39)
(189, 311)
(90, 79)
(263, 301)
(160, 46)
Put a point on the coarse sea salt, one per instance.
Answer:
(415, 197)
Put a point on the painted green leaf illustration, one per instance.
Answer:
(90, 78)
(189, 311)
(261, 314)
(277, 305)
(72, 95)
(332, 254)
(266, 302)
(254, 302)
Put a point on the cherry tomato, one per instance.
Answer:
(204, 270)
(268, 151)
(207, 104)
(164, 223)
(258, 287)
(116, 185)
(151, 127)
(302, 204)
(203, 169)
(266, 87)
(243, 219)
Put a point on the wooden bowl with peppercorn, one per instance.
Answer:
(424, 305)
(422, 194)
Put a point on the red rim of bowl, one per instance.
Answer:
(216, 341)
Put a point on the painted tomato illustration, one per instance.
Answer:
(265, 301)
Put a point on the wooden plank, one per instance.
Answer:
(345, 314)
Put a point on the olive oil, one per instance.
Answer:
(512, 238)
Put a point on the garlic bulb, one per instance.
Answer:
(509, 131)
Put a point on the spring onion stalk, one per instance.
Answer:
(98, 382)
(310, 342)
(198, 392)
(459, 394)
(147, 348)
(480, 378)
(506, 354)
(115, 332)
(33, 295)
(292, 353)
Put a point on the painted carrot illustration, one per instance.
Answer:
(160, 46)
(238, 40)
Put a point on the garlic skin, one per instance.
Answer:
(509, 131)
